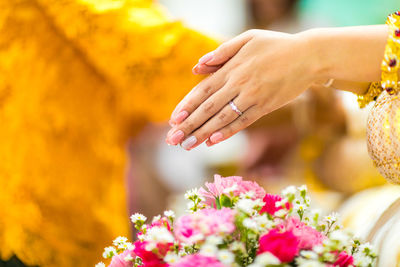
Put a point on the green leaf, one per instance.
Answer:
(225, 201)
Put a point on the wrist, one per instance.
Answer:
(318, 63)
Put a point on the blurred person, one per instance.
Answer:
(78, 80)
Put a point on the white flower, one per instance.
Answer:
(127, 245)
(318, 249)
(281, 203)
(226, 257)
(190, 205)
(263, 223)
(171, 258)
(308, 254)
(266, 258)
(192, 193)
(237, 246)
(109, 252)
(309, 263)
(169, 214)
(156, 218)
(340, 236)
(248, 205)
(302, 188)
(159, 235)
(120, 240)
(290, 190)
(367, 249)
(248, 194)
(214, 240)
(331, 218)
(362, 260)
(137, 217)
(128, 258)
(227, 191)
(100, 264)
(208, 250)
(250, 224)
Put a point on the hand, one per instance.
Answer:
(260, 71)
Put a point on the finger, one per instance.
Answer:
(223, 118)
(226, 50)
(203, 113)
(196, 96)
(205, 69)
(243, 121)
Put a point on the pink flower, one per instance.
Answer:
(344, 260)
(307, 236)
(162, 222)
(149, 258)
(283, 245)
(198, 260)
(235, 184)
(119, 260)
(197, 226)
(270, 201)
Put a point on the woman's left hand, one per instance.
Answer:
(259, 71)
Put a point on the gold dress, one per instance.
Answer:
(77, 80)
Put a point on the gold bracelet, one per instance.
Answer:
(390, 64)
(374, 90)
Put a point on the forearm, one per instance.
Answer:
(348, 54)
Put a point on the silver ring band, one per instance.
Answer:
(235, 108)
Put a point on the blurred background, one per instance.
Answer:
(87, 87)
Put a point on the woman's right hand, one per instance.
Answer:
(259, 71)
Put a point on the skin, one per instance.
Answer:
(262, 71)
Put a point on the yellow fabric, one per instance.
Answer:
(77, 79)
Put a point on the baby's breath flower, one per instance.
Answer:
(171, 258)
(156, 218)
(266, 258)
(308, 254)
(137, 217)
(214, 240)
(229, 190)
(169, 214)
(226, 257)
(100, 264)
(192, 194)
(290, 190)
(109, 252)
(159, 235)
(208, 250)
(248, 194)
(250, 224)
(331, 218)
(281, 213)
(120, 241)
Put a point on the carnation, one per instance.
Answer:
(123, 260)
(233, 185)
(271, 206)
(197, 226)
(283, 245)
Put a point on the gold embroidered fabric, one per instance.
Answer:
(77, 79)
(383, 135)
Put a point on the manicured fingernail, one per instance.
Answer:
(206, 58)
(216, 137)
(188, 143)
(176, 138)
(172, 124)
(181, 116)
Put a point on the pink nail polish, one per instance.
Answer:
(216, 137)
(189, 143)
(206, 58)
(176, 138)
(181, 116)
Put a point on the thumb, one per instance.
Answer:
(226, 51)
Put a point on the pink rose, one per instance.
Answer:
(270, 201)
(119, 260)
(197, 226)
(283, 245)
(344, 260)
(149, 258)
(307, 236)
(235, 184)
(198, 260)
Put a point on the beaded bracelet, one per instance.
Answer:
(390, 64)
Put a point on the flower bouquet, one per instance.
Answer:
(232, 222)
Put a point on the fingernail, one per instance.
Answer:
(176, 138)
(216, 137)
(188, 143)
(181, 116)
(207, 57)
(194, 69)
(172, 124)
